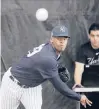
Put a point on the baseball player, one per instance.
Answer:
(22, 82)
(87, 64)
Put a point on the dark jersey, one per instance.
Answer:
(36, 66)
(39, 65)
(90, 57)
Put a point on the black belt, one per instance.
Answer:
(17, 82)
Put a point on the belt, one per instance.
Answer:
(17, 82)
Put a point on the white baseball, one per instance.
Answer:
(42, 14)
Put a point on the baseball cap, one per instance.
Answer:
(60, 31)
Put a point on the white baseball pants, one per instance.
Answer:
(12, 94)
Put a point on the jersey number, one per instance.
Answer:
(35, 50)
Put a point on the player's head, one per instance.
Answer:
(94, 35)
(59, 38)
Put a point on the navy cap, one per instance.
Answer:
(60, 31)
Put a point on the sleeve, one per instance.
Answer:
(80, 55)
(63, 88)
(49, 68)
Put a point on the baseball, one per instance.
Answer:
(42, 14)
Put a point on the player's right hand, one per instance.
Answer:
(84, 100)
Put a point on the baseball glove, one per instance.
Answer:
(64, 74)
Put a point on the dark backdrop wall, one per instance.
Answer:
(21, 31)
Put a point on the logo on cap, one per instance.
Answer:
(62, 29)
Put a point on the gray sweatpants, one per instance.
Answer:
(12, 94)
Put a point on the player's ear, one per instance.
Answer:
(88, 36)
(51, 39)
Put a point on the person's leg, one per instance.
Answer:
(10, 93)
(32, 98)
